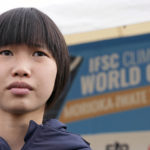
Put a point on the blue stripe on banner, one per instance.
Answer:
(138, 39)
(133, 120)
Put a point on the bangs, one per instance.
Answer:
(23, 26)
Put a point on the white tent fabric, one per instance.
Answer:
(76, 16)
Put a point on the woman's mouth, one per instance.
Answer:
(19, 88)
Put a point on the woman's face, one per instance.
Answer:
(27, 78)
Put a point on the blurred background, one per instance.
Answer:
(107, 100)
(75, 16)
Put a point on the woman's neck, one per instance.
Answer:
(13, 128)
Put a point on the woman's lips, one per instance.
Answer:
(19, 88)
(19, 91)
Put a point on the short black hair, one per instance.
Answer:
(32, 27)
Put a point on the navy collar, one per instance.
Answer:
(31, 129)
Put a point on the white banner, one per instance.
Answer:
(120, 141)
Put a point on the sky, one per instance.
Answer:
(76, 16)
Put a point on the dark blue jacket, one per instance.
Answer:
(50, 136)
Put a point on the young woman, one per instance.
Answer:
(34, 68)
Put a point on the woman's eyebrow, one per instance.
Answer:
(38, 45)
(41, 47)
(4, 47)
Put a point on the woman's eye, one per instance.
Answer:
(39, 53)
(6, 53)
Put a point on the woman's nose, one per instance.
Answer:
(21, 70)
